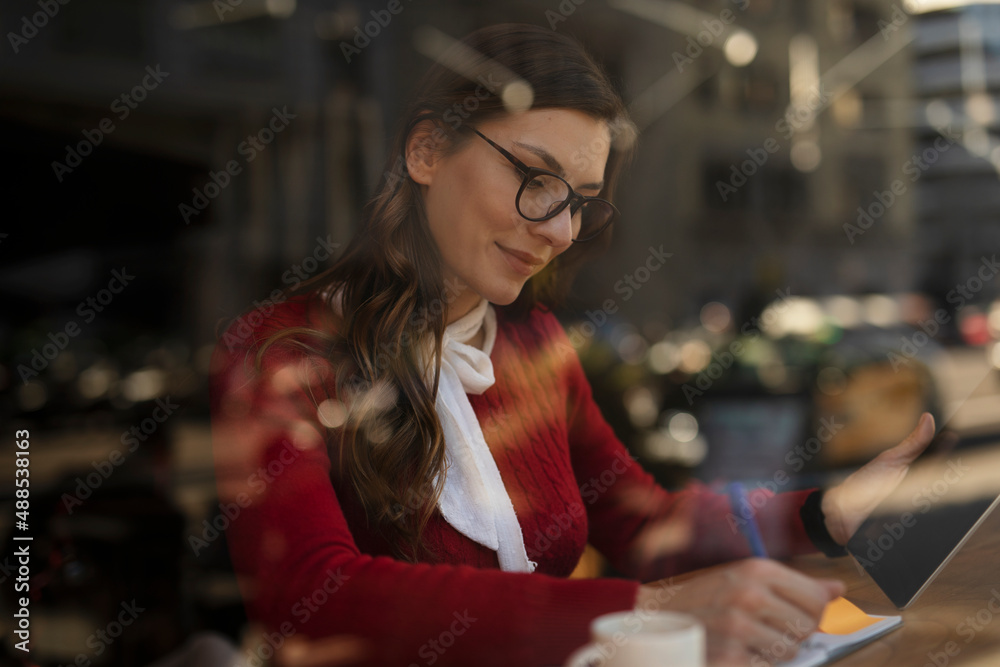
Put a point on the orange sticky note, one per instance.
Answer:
(842, 617)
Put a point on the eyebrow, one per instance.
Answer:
(553, 165)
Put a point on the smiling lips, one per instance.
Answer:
(521, 262)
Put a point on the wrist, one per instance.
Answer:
(816, 510)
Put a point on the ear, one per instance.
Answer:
(424, 148)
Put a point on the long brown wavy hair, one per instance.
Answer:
(387, 289)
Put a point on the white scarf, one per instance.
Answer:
(474, 500)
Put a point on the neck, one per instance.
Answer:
(462, 306)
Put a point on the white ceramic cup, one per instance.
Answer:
(643, 639)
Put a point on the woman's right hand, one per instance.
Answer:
(755, 612)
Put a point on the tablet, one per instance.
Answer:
(912, 534)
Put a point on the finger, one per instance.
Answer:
(835, 587)
(809, 595)
(779, 643)
(787, 619)
(794, 624)
(737, 629)
(916, 442)
(802, 591)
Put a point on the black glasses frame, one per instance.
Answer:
(575, 200)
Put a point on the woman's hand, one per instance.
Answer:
(848, 504)
(755, 607)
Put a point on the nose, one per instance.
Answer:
(557, 231)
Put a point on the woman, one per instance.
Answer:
(411, 448)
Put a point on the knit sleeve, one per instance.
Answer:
(650, 533)
(302, 574)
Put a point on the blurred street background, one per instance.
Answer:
(823, 175)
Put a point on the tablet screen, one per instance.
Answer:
(903, 558)
(911, 535)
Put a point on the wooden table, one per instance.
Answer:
(943, 619)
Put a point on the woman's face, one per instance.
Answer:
(487, 248)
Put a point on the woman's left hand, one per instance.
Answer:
(848, 504)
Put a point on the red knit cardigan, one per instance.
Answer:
(310, 565)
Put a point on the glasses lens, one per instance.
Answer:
(594, 216)
(542, 194)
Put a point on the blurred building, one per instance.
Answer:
(749, 171)
(957, 80)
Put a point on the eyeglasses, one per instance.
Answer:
(543, 195)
